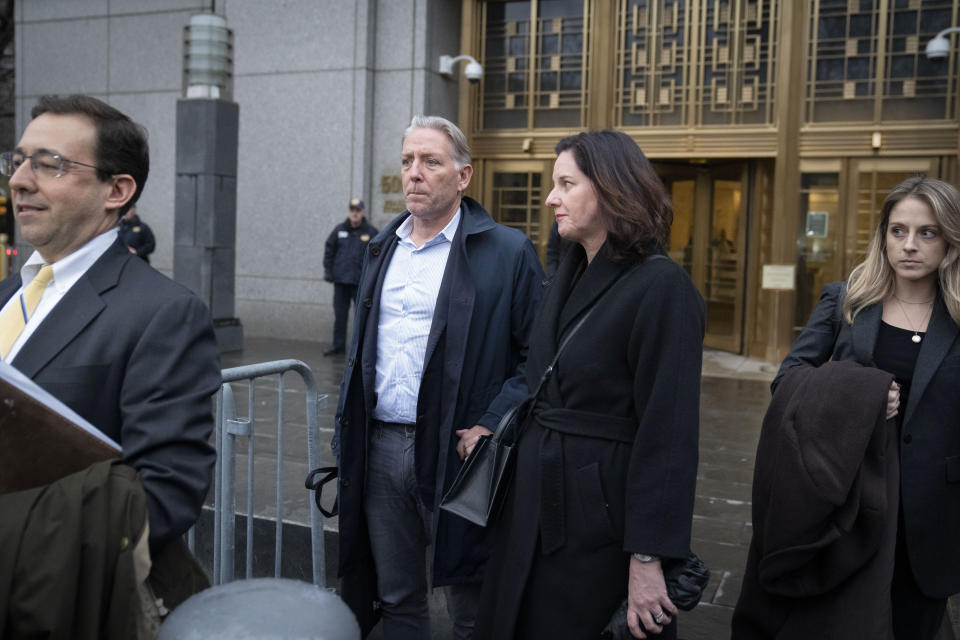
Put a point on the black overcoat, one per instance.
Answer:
(930, 432)
(825, 499)
(637, 360)
(472, 375)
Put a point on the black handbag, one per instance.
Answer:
(685, 581)
(477, 491)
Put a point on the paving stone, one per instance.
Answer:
(731, 414)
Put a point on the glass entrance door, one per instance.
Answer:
(514, 192)
(708, 239)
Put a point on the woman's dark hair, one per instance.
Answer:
(632, 202)
(120, 146)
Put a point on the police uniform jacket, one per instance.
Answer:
(343, 252)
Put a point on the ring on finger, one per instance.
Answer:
(658, 618)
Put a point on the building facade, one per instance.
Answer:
(778, 126)
(325, 90)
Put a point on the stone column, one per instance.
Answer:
(205, 209)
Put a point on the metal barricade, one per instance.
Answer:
(228, 428)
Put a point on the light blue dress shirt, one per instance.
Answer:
(407, 303)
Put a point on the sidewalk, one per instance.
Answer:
(735, 393)
(734, 396)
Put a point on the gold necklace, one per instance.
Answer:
(909, 302)
(916, 334)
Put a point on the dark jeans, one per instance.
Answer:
(399, 526)
(343, 295)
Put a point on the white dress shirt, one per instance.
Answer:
(66, 272)
(407, 303)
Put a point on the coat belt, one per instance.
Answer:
(577, 423)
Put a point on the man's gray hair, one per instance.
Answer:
(461, 150)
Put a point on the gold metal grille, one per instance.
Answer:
(872, 190)
(652, 69)
(867, 61)
(736, 62)
(700, 62)
(517, 197)
(534, 77)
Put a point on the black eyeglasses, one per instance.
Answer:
(43, 163)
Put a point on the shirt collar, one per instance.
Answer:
(68, 270)
(446, 234)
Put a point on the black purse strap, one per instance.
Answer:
(508, 418)
(563, 345)
(315, 482)
(566, 340)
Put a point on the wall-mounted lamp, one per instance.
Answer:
(208, 58)
(473, 70)
(939, 46)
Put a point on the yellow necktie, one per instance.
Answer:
(14, 317)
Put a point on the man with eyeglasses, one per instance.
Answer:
(125, 347)
(445, 304)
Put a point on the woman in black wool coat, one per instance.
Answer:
(606, 464)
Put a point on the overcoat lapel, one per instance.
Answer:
(941, 333)
(372, 288)
(452, 278)
(455, 299)
(77, 309)
(866, 327)
(548, 316)
(596, 279)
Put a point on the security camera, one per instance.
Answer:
(473, 71)
(938, 48)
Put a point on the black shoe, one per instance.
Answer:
(334, 351)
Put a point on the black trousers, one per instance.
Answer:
(343, 295)
(916, 616)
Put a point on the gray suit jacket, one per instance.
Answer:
(135, 354)
(930, 435)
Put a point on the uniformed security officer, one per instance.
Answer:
(342, 259)
(135, 233)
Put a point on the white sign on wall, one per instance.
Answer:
(779, 277)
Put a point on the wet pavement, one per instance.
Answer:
(735, 394)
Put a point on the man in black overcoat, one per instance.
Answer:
(445, 305)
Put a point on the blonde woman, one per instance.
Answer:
(899, 312)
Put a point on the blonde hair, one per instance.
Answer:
(873, 279)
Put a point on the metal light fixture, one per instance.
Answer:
(473, 70)
(208, 59)
(939, 46)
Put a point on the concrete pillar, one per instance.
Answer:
(205, 209)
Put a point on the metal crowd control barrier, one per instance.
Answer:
(229, 428)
